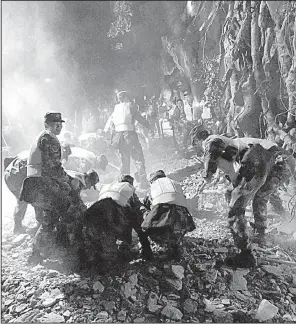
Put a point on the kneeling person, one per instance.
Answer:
(108, 223)
(168, 219)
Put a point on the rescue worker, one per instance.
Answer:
(47, 184)
(125, 139)
(255, 167)
(187, 124)
(168, 218)
(14, 175)
(71, 222)
(108, 224)
(152, 116)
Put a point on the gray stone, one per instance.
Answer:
(190, 306)
(238, 281)
(210, 307)
(221, 250)
(274, 270)
(98, 287)
(266, 311)
(103, 315)
(108, 305)
(152, 303)
(139, 320)
(128, 289)
(292, 291)
(175, 283)
(226, 301)
(220, 316)
(178, 271)
(172, 313)
(121, 315)
(52, 318)
(49, 302)
(67, 313)
(20, 308)
(133, 279)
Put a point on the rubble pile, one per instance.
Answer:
(199, 288)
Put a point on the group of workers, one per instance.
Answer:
(254, 167)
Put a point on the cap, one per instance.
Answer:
(157, 174)
(53, 117)
(126, 178)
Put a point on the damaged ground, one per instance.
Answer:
(193, 290)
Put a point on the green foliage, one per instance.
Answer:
(122, 24)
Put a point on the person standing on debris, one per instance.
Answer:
(168, 218)
(47, 184)
(255, 167)
(108, 223)
(152, 116)
(126, 139)
(15, 172)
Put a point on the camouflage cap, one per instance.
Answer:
(53, 117)
(126, 178)
(157, 174)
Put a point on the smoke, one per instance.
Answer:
(38, 75)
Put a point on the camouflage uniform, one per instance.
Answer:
(260, 172)
(50, 192)
(107, 231)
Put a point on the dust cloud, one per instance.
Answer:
(38, 74)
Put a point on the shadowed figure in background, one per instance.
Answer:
(168, 218)
(256, 168)
(125, 138)
(108, 224)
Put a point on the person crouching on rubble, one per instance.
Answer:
(168, 218)
(47, 184)
(256, 168)
(108, 224)
(15, 172)
(70, 223)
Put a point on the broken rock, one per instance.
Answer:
(190, 306)
(172, 313)
(121, 316)
(178, 271)
(266, 311)
(238, 281)
(220, 316)
(98, 287)
(52, 318)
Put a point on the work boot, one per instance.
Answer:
(245, 259)
(18, 228)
